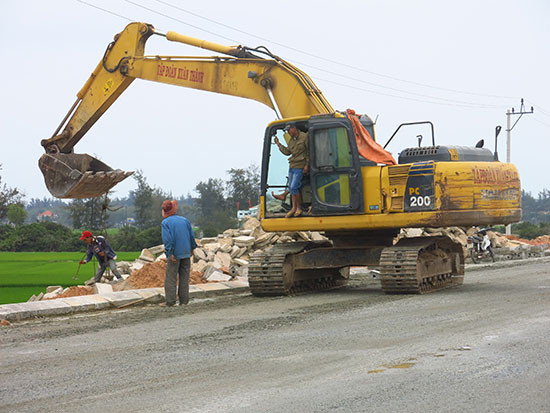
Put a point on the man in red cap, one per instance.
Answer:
(100, 248)
(179, 243)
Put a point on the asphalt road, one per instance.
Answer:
(481, 347)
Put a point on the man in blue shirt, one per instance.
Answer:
(179, 243)
(100, 248)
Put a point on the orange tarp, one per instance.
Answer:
(366, 146)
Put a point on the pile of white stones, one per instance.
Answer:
(227, 255)
(502, 246)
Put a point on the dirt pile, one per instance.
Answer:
(542, 240)
(74, 291)
(152, 275)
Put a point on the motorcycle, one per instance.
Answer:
(480, 247)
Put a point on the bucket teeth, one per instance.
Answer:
(70, 175)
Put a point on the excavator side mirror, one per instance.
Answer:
(497, 131)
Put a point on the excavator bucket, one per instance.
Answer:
(72, 175)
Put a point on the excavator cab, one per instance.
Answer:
(334, 184)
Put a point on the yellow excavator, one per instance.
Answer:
(359, 203)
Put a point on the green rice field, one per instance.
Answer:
(23, 274)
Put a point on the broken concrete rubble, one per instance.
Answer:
(244, 241)
(226, 257)
(52, 288)
(147, 255)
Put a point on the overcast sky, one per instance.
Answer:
(460, 65)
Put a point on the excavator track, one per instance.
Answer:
(421, 265)
(272, 273)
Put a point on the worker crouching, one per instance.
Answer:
(100, 248)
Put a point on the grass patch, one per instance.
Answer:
(23, 274)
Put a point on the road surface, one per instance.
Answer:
(482, 347)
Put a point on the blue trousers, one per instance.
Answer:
(295, 180)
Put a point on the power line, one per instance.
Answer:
(180, 21)
(450, 102)
(399, 97)
(471, 104)
(330, 60)
(105, 10)
(541, 122)
(541, 109)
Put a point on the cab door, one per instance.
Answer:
(336, 182)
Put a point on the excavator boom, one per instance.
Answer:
(271, 81)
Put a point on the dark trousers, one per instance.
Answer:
(177, 278)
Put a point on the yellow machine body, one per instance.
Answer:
(361, 205)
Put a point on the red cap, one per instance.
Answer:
(170, 207)
(86, 234)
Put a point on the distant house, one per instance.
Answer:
(46, 216)
(244, 213)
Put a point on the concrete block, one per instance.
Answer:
(239, 271)
(137, 265)
(244, 241)
(49, 307)
(208, 240)
(52, 288)
(212, 247)
(193, 290)
(49, 296)
(20, 311)
(146, 255)
(240, 261)
(121, 297)
(86, 302)
(212, 287)
(251, 223)
(151, 295)
(235, 284)
(161, 257)
(102, 288)
(234, 251)
(159, 249)
(199, 266)
(199, 254)
(15, 311)
(226, 248)
(218, 276)
(245, 232)
(211, 268)
(223, 258)
(316, 236)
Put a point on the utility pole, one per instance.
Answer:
(509, 128)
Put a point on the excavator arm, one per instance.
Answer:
(271, 81)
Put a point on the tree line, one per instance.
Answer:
(212, 210)
(137, 216)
